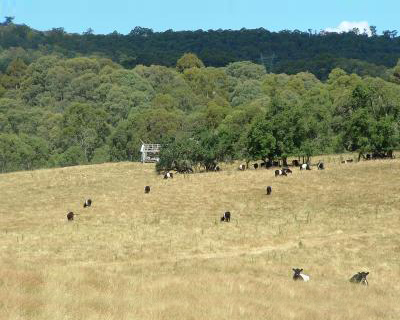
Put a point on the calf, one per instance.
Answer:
(360, 277)
(147, 189)
(242, 167)
(320, 165)
(280, 173)
(255, 166)
(87, 203)
(226, 217)
(269, 190)
(300, 276)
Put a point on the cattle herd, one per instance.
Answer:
(285, 169)
(358, 278)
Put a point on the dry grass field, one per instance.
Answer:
(166, 255)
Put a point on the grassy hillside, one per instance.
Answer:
(165, 255)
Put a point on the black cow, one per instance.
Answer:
(320, 165)
(226, 217)
(269, 190)
(87, 203)
(360, 277)
(147, 189)
(70, 216)
(255, 166)
(300, 276)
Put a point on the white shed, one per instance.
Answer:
(150, 152)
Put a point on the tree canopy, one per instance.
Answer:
(59, 108)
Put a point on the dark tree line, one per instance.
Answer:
(286, 51)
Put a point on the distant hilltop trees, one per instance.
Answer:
(285, 51)
(7, 21)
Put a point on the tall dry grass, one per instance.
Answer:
(165, 255)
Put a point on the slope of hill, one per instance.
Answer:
(166, 255)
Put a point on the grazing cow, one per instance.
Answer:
(280, 173)
(87, 203)
(70, 216)
(300, 276)
(242, 167)
(320, 165)
(305, 166)
(255, 166)
(146, 189)
(226, 217)
(269, 190)
(295, 163)
(287, 170)
(360, 277)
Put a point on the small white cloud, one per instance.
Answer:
(346, 26)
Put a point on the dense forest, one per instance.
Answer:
(68, 99)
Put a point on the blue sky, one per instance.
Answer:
(105, 16)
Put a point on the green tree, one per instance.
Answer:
(84, 126)
(245, 70)
(187, 61)
(261, 143)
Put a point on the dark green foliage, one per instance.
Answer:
(286, 51)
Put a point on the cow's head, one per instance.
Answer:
(297, 271)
